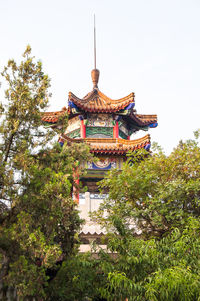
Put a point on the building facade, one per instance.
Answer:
(108, 127)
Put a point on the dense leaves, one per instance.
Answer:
(79, 278)
(151, 214)
(38, 219)
(153, 221)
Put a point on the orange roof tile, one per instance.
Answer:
(143, 120)
(96, 101)
(53, 117)
(111, 145)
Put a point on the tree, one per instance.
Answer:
(152, 220)
(151, 214)
(79, 278)
(153, 224)
(38, 218)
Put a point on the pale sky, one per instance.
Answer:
(149, 47)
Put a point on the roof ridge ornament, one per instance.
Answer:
(95, 78)
(95, 72)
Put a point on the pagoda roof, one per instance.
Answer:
(110, 145)
(140, 120)
(97, 102)
(53, 117)
(143, 120)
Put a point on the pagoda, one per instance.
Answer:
(108, 127)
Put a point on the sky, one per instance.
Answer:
(149, 47)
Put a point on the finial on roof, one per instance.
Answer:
(95, 77)
(95, 72)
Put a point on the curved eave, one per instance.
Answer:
(116, 146)
(144, 120)
(53, 117)
(97, 102)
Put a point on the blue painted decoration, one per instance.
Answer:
(130, 106)
(147, 147)
(94, 166)
(72, 105)
(153, 125)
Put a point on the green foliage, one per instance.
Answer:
(156, 193)
(38, 218)
(77, 279)
(152, 214)
(152, 217)
(27, 278)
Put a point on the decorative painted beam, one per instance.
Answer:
(153, 125)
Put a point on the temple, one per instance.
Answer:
(108, 127)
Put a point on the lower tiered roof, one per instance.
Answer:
(110, 145)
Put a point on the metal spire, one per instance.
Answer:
(95, 71)
(94, 43)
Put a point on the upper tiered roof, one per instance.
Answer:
(97, 102)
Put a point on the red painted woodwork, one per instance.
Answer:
(117, 130)
(83, 129)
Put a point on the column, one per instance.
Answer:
(82, 127)
(116, 130)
